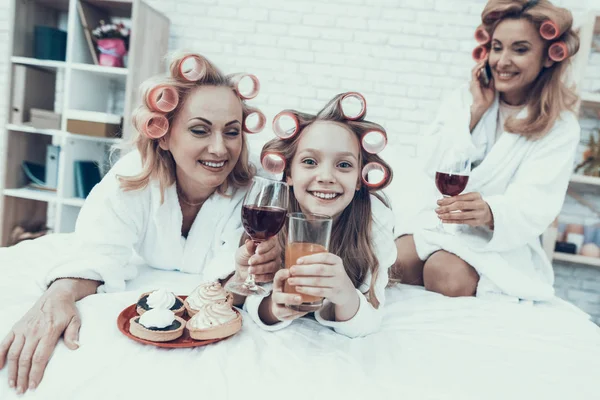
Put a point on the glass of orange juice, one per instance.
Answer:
(308, 234)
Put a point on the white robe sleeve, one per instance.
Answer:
(368, 319)
(109, 226)
(536, 194)
(223, 263)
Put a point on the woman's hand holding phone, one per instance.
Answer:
(483, 91)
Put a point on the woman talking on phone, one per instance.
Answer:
(511, 138)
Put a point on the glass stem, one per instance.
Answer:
(250, 283)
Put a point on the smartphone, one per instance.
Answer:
(486, 75)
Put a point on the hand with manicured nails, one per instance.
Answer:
(262, 260)
(474, 211)
(26, 349)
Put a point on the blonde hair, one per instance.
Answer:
(350, 235)
(549, 95)
(158, 163)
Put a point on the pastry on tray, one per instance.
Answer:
(207, 293)
(214, 321)
(162, 299)
(157, 325)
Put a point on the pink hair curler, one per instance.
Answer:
(151, 124)
(353, 105)
(374, 175)
(558, 51)
(285, 125)
(481, 35)
(374, 141)
(480, 53)
(163, 98)
(192, 68)
(549, 30)
(247, 86)
(273, 162)
(254, 122)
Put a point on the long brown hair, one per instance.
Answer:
(351, 232)
(549, 95)
(158, 163)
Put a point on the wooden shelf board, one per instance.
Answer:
(31, 129)
(32, 194)
(577, 259)
(100, 69)
(36, 62)
(116, 8)
(73, 201)
(586, 180)
(106, 140)
(590, 98)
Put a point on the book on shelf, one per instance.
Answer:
(87, 175)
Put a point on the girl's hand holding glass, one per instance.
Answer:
(323, 275)
(279, 300)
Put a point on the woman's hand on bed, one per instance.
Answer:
(468, 208)
(30, 343)
(263, 260)
(273, 309)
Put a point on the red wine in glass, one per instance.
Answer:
(264, 211)
(450, 184)
(262, 222)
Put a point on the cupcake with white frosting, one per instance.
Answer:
(214, 321)
(157, 325)
(160, 299)
(206, 294)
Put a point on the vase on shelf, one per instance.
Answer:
(111, 52)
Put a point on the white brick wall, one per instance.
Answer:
(403, 55)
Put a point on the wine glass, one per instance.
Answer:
(263, 214)
(451, 177)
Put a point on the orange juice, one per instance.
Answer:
(293, 252)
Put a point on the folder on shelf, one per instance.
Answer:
(31, 88)
(90, 17)
(87, 175)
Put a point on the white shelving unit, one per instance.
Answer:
(589, 101)
(80, 85)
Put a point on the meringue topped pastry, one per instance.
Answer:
(157, 325)
(207, 293)
(160, 299)
(214, 321)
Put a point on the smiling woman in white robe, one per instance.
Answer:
(175, 201)
(520, 133)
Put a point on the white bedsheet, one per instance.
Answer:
(430, 347)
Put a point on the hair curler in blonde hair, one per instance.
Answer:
(246, 86)
(273, 162)
(550, 30)
(558, 51)
(162, 98)
(353, 106)
(374, 141)
(480, 53)
(191, 68)
(374, 174)
(481, 35)
(285, 125)
(151, 124)
(254, 122)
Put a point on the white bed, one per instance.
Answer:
(430, 347)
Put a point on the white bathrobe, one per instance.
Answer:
(523, 181)
(114, 225)
(367, 319)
